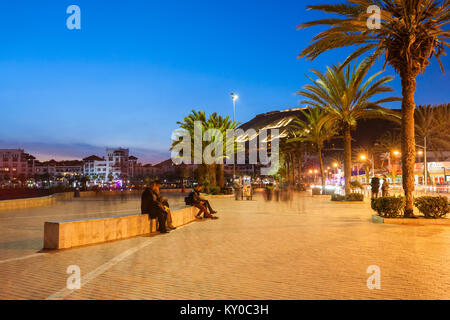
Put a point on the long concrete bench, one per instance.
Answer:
(74, 233)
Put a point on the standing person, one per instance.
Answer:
(375, 186)
(385, 187)
(151, 205)
(200, 203)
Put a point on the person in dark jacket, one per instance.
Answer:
(151, 205)
(385, 187)
(200, 203)
(375, 186)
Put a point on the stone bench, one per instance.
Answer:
(74, 233)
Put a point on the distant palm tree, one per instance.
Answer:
(214, 121)
(390, 144)
(432, 127)
(409, 35)
(364, 155)
(342, 93)
(223, 124)
(287, 150)
(316, 128)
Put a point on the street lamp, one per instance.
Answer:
(234, 97)
(425, 165)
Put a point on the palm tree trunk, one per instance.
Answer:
(287, 168)
(291, 156)
(220, 176)
(347, 158)
(212, 174)
(299, 159)
(408, 140)
(322, 173)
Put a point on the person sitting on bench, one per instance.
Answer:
(194, 199)
(165, 203)
(151, 204)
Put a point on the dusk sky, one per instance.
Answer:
(137, 67)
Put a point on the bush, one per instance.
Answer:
(227, 190)
(356, 185)
(354, 197)
(214, 190)
(337, 197)
(349, 197)
(432, 207)
(389, 207)
(316, 191)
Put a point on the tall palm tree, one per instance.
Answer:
(188, 125)
(316, 128)
(214, 121)
(346, 97)
(223, 124)
(409, 35)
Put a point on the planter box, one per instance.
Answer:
(412, 222)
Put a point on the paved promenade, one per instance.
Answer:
(309, 248)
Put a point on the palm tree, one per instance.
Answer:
(389, 143)
(432, 127)
(188, 125)
(346, 99)
(364, 155)
(409, 35)
(214, 121)
(222, 124)
(316, 129)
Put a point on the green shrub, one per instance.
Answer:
(316, 191)
(354, 197)
(349, 197)
(356, 185)
(214, 190)
(389, 207)
(227, 190)
(432, 207)
(337, 197)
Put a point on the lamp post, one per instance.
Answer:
(234, 97)
(425, 165)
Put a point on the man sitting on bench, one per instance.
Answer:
(152, 205)
(194, 199)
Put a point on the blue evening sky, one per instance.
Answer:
(137, 67)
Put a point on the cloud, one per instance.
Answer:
(76, 151)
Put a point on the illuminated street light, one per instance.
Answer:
(234, 97)
(396, 153)
(335, 164)
(363, 157)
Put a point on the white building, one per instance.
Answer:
(116, 166)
